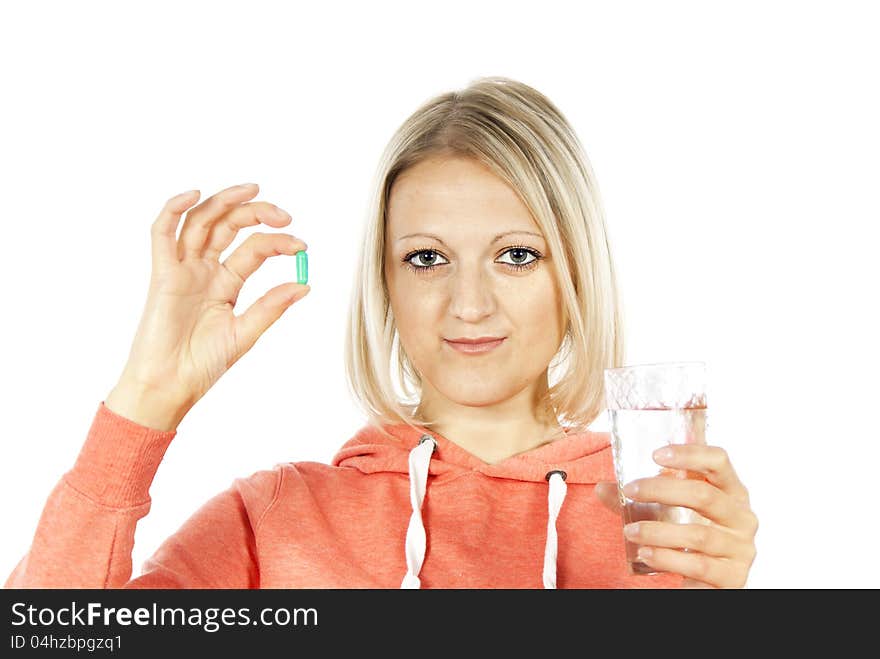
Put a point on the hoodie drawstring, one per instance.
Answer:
(555, 497)
(419, 462)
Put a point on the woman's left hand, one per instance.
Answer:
(720, 553)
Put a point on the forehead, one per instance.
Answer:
(453, 191)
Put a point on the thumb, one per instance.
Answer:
(607, 494)
(265, 311)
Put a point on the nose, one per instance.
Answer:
(471, 296)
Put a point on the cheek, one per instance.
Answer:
(536, 307)
(415, 309)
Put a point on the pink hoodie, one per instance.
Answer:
(386, 513)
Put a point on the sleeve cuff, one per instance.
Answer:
(118, 460)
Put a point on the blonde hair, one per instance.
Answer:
(527, 142)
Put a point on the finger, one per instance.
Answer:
(698, 495)
(704, 538)
(718, 572)
(712, 462)
(226, 228)
(261, 314)
(607, 493)
(164, 228)
(251, 254)
(198, 221)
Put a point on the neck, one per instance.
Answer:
(492, 433)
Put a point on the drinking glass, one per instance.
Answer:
(653, 405)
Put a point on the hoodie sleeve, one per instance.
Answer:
(85, 534)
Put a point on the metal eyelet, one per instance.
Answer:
(425, 438)
(555, 471)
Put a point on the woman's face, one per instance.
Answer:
(490, 275)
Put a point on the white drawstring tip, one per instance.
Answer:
(411, 581)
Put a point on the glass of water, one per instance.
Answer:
(654, 405)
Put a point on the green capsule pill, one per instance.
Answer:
(302, 268)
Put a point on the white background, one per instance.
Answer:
(736, 148)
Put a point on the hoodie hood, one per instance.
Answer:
(418, 452)
(580, 455)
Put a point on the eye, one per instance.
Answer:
(426, 259)
(519, 254)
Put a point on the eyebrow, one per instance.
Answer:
(494, 240)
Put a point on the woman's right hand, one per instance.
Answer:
(188, 335)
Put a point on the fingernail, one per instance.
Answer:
(631, 489)
(631, 530)
(644, 553)
(664, 454)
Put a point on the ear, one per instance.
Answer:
(607, 493)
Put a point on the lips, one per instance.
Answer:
(475, 346)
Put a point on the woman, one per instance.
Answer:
(486, 269)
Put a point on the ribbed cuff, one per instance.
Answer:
(118, 461)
